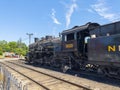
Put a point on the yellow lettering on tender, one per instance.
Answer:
(69, 45)
(111, 48)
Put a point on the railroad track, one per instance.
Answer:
(45, 80)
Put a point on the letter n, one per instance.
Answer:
(111, 48)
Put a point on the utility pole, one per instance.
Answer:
(29, 34)
(19, 42)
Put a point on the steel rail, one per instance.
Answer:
(26, 76)
(77, 85)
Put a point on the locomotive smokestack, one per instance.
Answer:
(48, 37)
(36, 39)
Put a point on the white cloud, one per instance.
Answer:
(90, 10)
(104, 11)
(55, 20)
(70, 11)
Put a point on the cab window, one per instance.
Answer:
(70, 37)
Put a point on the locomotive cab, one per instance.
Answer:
(75, 40)
(82, 37)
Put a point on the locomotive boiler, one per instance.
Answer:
(43, 50)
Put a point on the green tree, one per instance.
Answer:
(12, 46)
(3, 42)
(2, 45)
(16, 47)
(20, 51)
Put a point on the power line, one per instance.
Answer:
(24, 39)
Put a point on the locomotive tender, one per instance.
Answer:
(90, 46)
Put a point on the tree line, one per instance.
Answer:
(18, 48)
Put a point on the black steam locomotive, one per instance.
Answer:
(90, 46)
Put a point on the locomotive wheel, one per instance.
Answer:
(41, 62)
(106, 72)
(64, 68)
(29, 61)
(36, 63)
(55, 64)
(76, 66)
(119, 72)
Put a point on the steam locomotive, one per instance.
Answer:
(86, 47)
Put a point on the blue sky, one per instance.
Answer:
(49, 17)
